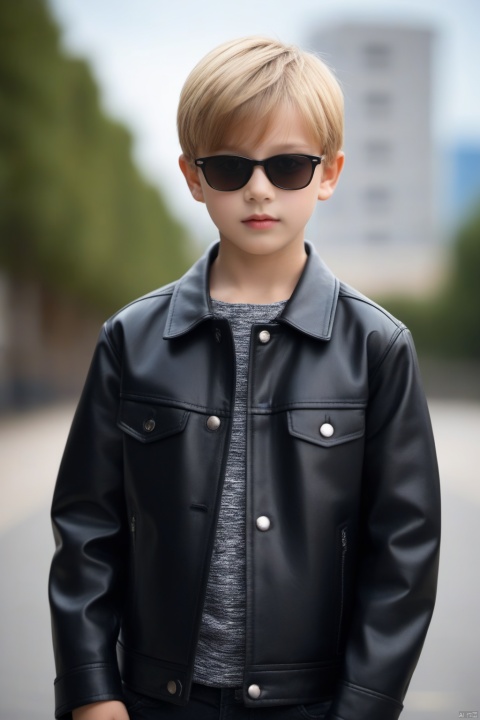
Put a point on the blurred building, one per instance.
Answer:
(378, 231)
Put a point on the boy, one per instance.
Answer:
(247, 511)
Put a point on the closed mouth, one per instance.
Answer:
(260, 218)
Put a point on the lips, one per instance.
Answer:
(260, 222)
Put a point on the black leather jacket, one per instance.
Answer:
(339, 590)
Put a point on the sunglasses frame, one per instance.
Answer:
(315, 160)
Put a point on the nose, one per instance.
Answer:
(259, 186)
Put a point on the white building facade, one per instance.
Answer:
(378, 230)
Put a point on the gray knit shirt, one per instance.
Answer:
(220, 658)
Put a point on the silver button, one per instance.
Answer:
(213, 422)
(326, 430)
(263, 523)
(172, 687)
(254, 692)
(149, 425)
(264, 336)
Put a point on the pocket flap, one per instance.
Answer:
(148, 422)
(327, 427)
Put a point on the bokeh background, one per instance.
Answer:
(94, 212)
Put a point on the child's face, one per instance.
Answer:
(260, 218)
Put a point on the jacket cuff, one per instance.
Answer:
(84, 685)
(356, 703)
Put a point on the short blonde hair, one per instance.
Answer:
(238, 86)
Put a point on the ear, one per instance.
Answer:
(191, 174)
(330, 176)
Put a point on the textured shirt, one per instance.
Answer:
(220, 658)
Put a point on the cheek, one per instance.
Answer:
(221, 206)
(302, 205)
(313, 196)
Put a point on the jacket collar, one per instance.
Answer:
(311, 309)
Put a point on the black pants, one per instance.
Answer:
(217, 704)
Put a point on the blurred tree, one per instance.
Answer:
(74, 210)
(460, 304)
(447, 325)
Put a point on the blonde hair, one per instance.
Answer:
(238, 86)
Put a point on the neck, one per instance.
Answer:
(240, 277)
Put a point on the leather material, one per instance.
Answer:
(339, 590)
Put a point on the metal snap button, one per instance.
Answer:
(172, 687)
(213, 422)
(254, 692)
(326, 430)
(264, 336)
(149, 425)
(263, 523)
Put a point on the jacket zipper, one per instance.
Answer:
(344, 541)
(133, 528)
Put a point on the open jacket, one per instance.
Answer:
(341, 579)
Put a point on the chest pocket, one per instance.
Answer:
(147, 422)
(327, 427)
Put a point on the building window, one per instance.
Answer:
(377, 237)
(377, 56)
(378, 152)
(377, 198)
(378, 104)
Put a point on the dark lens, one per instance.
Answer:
(290, 172)
(227, 172)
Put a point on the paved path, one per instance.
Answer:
(447, 679)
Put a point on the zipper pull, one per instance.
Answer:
(133, 524)
(344, 540)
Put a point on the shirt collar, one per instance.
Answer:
(311, 309)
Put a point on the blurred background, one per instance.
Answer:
(94, 212)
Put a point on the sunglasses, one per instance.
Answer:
(232, 172)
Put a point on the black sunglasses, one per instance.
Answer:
(232, 172)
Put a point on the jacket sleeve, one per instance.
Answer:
(398, 561)
(90, 529)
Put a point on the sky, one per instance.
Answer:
(141, 52)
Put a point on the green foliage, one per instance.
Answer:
(461, 300)
(448, 324)
(74, 210)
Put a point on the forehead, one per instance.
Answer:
(283, 129)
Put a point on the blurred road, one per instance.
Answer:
(447, 679)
